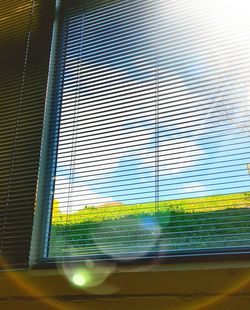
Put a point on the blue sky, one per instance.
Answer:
(171, 94)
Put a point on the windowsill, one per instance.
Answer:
(184, 279)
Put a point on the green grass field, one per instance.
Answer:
(198, 223)
(191, 205)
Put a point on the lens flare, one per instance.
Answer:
(128, 240)
(79, 279)
(89, 275)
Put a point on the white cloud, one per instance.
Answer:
(175, 156)
(194, 187)
(88, 160)
(73, 197)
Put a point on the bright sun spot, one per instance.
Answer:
(79, 279)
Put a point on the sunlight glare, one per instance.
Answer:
(79, 279)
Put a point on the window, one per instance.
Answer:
(150, 140)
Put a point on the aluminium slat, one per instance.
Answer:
(182, 11)
(194, 171)
(181, 65)
(116, 223)
(77, 186)
(105, 123)
(162, 30)
(236, 60)
(75, 195)
(138, 195)
(147, 110)
(113, 240)
(172, 49)
(162, 38)
(94, 145)
(183, 56)
(100, 230)
(207, 172)
(197, 162)
(125, 251)
(92, 82)
(109, 97)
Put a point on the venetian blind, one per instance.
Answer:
(25, 28)
(153, 140)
